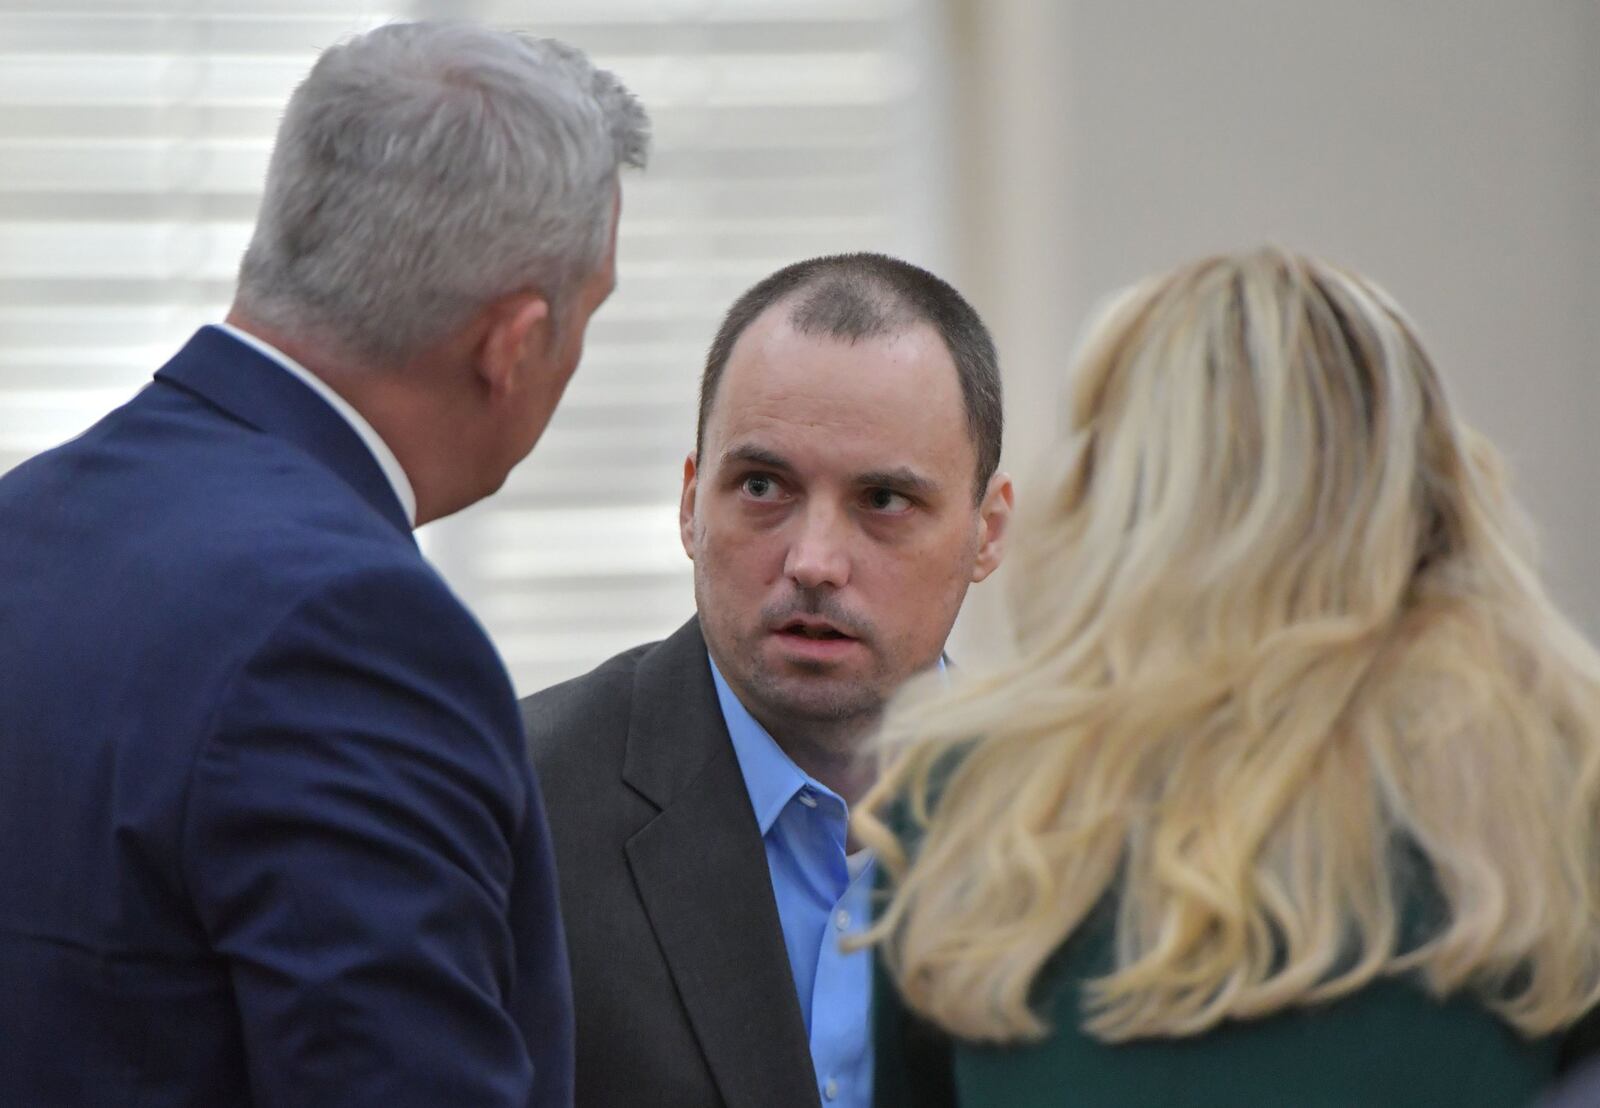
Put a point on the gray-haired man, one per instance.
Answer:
(271, 834)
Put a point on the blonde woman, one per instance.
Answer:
(1291, 796)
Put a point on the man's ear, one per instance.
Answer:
(994, 516)
(518, 329)
(686, 505)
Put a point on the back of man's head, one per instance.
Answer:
(850, 297)
(423, 170)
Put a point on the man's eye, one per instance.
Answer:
(759, 487)
(887, 500)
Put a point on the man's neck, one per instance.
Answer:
(831, 753)
(396, 404)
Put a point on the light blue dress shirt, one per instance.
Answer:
(822, 895)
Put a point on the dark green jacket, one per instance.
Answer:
(1387, 1045)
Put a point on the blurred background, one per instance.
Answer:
(1037, 153)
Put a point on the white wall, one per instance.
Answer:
(1448, 149)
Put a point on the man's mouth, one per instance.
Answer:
(815, 630)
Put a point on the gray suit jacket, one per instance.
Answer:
(682, 985)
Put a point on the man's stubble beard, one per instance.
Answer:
(812, 701)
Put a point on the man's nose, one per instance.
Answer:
(819, 554)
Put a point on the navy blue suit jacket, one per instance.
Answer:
(268, 835)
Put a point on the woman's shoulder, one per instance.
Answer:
(1389, 1043)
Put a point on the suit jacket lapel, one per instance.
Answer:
(250, 387)
(701, 871)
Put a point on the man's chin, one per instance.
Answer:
(820, 697)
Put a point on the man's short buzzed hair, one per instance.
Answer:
(859, 296)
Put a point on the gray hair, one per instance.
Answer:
(424, 169)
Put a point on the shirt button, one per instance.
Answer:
(831, 1089)
(841, 919)
(807, 799)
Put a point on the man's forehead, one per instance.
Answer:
(889, 402)
(774, 362)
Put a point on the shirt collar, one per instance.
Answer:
(770, 775)
(374, 442)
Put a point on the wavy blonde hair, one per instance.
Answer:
(1277, 634)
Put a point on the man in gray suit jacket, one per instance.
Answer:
(842, 495)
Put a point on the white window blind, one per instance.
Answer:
(134, 137)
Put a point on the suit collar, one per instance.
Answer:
(392, 469)
(701, 870)
(771, 777)
(673, 696)
(250, 387)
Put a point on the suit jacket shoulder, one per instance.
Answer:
(573, 726)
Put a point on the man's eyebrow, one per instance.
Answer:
(751, 454)
(899, 479)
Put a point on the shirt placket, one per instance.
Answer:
(839, 1032)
